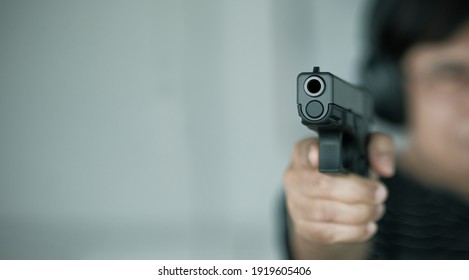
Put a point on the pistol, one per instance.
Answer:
(341, 114)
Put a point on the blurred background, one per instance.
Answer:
(156, 129)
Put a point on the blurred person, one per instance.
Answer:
(415, 204)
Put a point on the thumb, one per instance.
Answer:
(306, 154)
(313, 155)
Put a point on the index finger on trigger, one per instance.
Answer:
(381, 151)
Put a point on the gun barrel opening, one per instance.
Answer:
(314, 86)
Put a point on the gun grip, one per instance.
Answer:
(341, 153)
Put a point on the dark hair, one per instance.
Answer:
(394, 26)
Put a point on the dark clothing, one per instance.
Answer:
(422, 223)
(419, 223)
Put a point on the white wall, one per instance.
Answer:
(155, 129)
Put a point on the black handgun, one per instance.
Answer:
(341, 114)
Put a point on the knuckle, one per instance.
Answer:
(323, 235)
(380, 211)
(304, 181)
(367, 232)
(368, 190)
(351, 189)
(321, 186)
(367, 213)
(323, 212)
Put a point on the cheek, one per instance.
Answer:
(433, 115)
(430, 121)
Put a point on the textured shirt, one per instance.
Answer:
(421, 223)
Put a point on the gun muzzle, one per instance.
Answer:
(314, 86)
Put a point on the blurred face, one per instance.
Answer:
(437, 86)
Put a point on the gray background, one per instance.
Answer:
(156, 129)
